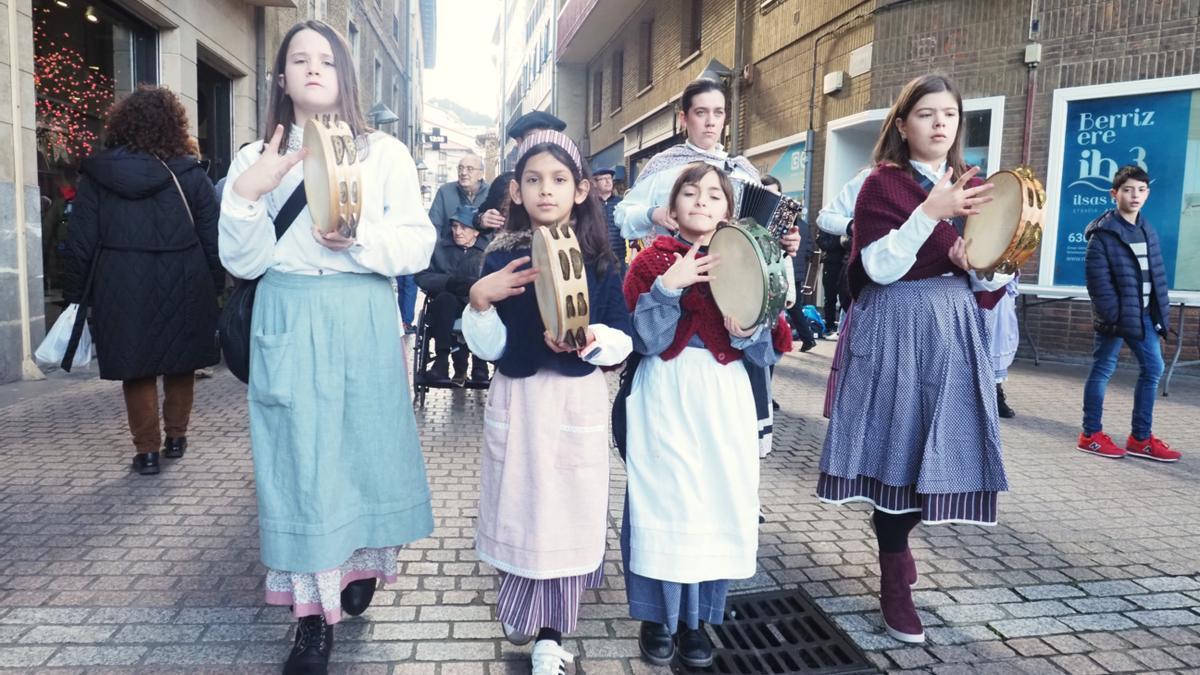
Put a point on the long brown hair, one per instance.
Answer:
(280, 109)
(892, 149)
(151, 120)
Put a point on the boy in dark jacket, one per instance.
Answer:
(452, 271)
(1127, 282)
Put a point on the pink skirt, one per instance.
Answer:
(321, 593)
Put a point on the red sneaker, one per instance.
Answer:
(1100, 444)
(1151, 448)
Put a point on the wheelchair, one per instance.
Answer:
(422, 358)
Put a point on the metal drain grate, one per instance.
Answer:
(780, 632)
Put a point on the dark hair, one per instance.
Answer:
(279, 108)
(1130, 172)
(692, 175)
(769, 180)
(591, 226)
(695, 88)
(150, 120)
(891, 148)
(497, 196)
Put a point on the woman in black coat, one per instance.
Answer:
(153, 292)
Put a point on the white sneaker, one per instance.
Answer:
(549, 658)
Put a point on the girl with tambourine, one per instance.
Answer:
(691, 510)
(913, 429)
(338, 469)
(543, 503)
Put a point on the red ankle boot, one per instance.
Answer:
(895, 598)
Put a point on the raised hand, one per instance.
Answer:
(950, 200)
(502, 284)
(265, 174)
(688, 270)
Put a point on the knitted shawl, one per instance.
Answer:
(887, 198)
(678, 155)
(700, 312)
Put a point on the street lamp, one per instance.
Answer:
(380, 114)
(715, 71)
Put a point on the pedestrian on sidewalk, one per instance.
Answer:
(144, 227)
(913, 430)
(692, 452)
(543, 502)
(1127, 283)
(338, 470)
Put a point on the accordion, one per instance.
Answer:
(776, 213)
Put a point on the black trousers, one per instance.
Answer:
(831, 276)
(444, 309)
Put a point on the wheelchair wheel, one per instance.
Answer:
(420, 358)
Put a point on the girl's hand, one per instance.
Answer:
(491, 219)
(958, 254)
(558, 346)
(332, 240)
(687, 270)
(662, 217)
(265, 174)
(502, 284)
(950, 200)
(791, 241)
(735, 330)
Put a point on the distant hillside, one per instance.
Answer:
(469, 117)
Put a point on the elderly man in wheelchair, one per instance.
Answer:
(452, 271)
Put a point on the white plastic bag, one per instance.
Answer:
(54, 347)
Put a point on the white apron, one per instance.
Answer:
(692, 462)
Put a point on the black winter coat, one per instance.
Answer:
(452, 268)
(1114, 278)
(154, 296)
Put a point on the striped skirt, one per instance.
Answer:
(531, 604)
(914, 425)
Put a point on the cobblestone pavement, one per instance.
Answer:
(1092, 569)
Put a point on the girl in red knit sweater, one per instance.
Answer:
(691, 510)
(913, 429)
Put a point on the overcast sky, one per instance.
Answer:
(465, 72)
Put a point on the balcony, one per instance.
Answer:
(584, 29)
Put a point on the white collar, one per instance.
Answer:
(717, 151)
(928, 170)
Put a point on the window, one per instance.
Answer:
(693, 19)
(378, 82)
(618, 79)
(352, 38)
(597, 95)
(645, 54)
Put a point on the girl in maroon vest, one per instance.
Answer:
(913, 429)
(691, 516)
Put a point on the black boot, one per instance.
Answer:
(459, 357)
(439, 372)
(1002, 405)
(314, 644)
(174, 448)
(695, 651)
(479, 370)
(146, 463)
(356, 596)
(656, 643)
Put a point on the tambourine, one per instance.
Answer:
(1008, 229)
(561, 284)
(751, 285)
(332, 179)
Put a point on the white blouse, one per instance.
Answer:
(890, 257)
(395, 236)
(487, 337)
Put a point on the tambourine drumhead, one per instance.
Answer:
(561, 284)
(990, 232)
(332, 180)
(739, 282)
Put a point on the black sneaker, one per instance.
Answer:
(174, 448)
(656, 644)
(695, 651)
(314, 644)
(146, 463)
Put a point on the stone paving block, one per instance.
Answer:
(1165, 617)
(1078, 664)
(1161, 584)
(956, 614)
(1189, 654)
(984, 596)
(1116, 662)
(69, 634)
(874, 641)
(1030, 646)
(1106, 622)
(468, 613)
(194, 654)
(98, 656)
(959, 635)
(455, 650)
(24, 657)
(1038, 608)
(410, 631)
(1011, 628)
(166, 634)
(855, 603)
(1067, 644)
(609, 648)
(912, 657)
(1162, 601)
(43, 615)
(1155, 659)
(1099, 605)
(1104, 588)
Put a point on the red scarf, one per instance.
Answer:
(700, 312)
